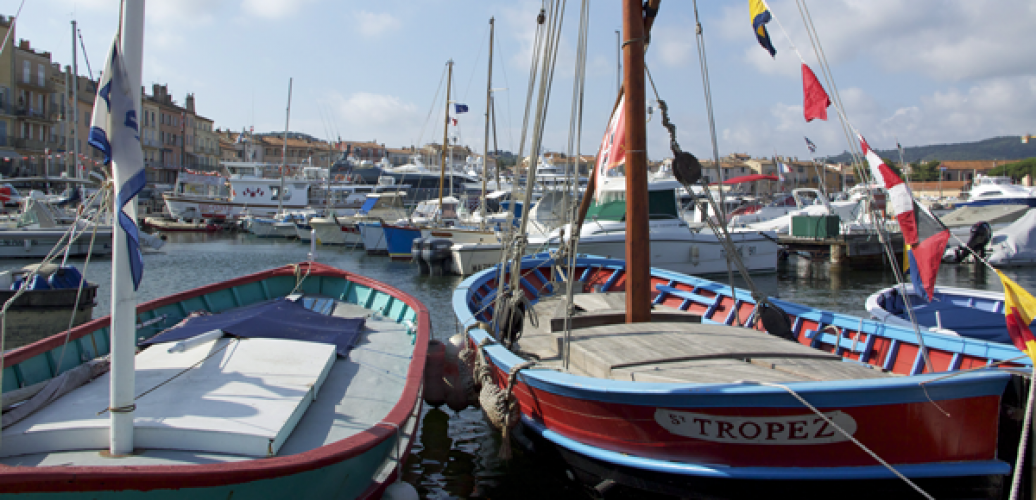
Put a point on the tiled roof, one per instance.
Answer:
(971, 165)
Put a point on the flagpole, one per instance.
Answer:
(124, 305)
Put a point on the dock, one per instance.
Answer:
(854, 250)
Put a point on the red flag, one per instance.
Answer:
(901, 198)
(815, 99)
(613, 146)
(928, 257)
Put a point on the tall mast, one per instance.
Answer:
(124, 307)
(75, 106)
(485, 156)
(638, 239)
(445, 139)
(284, 151)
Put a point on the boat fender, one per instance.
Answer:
(511, 321)
(776, 321)
(500, 406)
(686, 168)
(400, 491)
(468, 361)
(434, 389)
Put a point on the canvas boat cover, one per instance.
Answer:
(368, 204)
(1015, 244)
(277, 319)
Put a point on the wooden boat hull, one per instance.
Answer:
(347, 468)
(751, 431)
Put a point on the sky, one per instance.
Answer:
(918, 72)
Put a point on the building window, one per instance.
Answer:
(26, 72)
(42, 74)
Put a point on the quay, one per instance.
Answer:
(854, 250)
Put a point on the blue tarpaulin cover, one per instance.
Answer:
(278, 319)
(368, 204)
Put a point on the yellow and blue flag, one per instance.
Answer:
(760, 16)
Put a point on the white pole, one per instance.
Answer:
(124, 309)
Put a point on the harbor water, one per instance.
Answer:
(455, 455)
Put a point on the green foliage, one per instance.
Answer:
(924, 171)
(1017, 170)
(997, 148)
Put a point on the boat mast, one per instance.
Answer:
(445, 139)
(124, 298)
(638, 243)
(485, 156)
(75, 106)
(284, 151)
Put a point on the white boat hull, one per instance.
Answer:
(38, 243)
(330, 232)
(373, 236)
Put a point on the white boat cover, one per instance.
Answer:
(233, 396)
(1015, 245)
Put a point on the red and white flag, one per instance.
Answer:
(900, 197)
(613, 147)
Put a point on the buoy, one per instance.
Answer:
(400, 491)
(434, 388)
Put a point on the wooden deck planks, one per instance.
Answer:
(679, 352)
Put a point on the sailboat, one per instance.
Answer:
(302, 381)
(642, 378)
(435, 218)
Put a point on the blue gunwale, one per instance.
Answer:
(471, 294)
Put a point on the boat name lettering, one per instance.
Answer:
(18, 243)
(783, 430)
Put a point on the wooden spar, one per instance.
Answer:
(445, 138)
(485, 142)
(638, 240)
(591, 186)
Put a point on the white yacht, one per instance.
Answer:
(991, 190)
(255, 189)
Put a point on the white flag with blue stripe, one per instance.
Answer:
(114, 131)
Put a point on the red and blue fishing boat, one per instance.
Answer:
(689, 400)
(642, 378)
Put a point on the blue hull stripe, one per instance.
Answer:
(877, 471)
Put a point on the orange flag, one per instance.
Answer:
(1019, 309)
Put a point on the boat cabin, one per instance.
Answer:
(611, 205)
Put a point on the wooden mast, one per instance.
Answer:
(584, 203)
(638, 240)
(445, 138)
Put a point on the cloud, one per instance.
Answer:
(272, 9)
(373, 24)
(946, 40)
(675, 48)
(387, 118)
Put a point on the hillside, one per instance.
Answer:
(997, 148)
